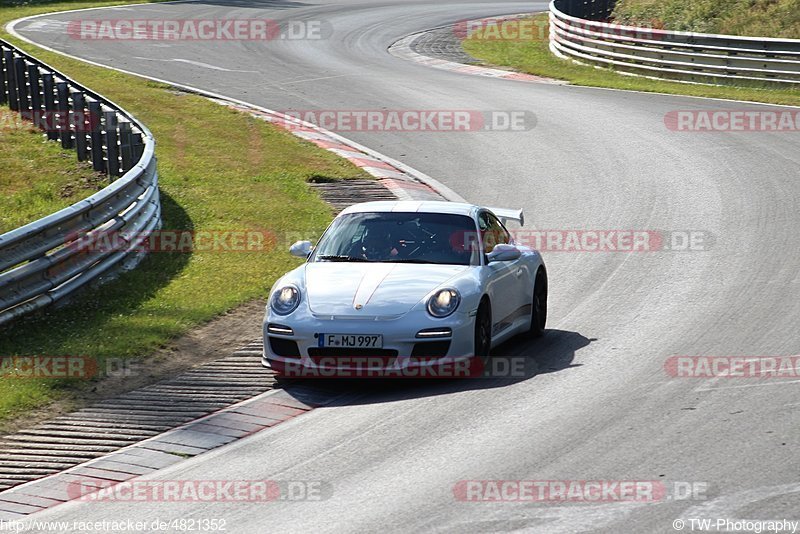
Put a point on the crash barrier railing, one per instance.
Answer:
(40, 262)
(578, 31)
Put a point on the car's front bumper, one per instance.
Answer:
(404, 353)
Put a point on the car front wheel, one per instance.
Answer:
(539, 306)
(483, 332)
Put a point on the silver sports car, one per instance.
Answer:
(408, 284)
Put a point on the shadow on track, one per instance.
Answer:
(514, 361)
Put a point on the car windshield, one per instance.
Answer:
(399, 237)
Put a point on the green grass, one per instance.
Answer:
(39, 177)
(533, 56)
(765, 18)
(218, 170)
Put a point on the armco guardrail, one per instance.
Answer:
(39, 262)
(577, 31)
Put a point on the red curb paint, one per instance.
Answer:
(272, 413)
(363, 162)
(392, 183)
(235, 425)
(329, 142)
(31, 500)
(222, 431)
(292, 403)
(271, 407)
(85, 479)
(323, 143)
(58, 488)
(17, 508)
(96, 472)
(56, 494)
(522, 77)
(252, 419)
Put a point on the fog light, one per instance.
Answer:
(434, 332)
(280, 329)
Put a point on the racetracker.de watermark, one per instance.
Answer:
(198, 30)
(409, 120)
(525, 28)
(178, 241)
(248, 491)
(577, 491)
(406, 368)
(503, 29)
(565, 240)
(733, 366)
(785, 120)
(600, 240)
(51, 121)
(36, 367)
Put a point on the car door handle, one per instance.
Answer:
(519, 273)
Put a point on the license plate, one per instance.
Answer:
(351, 341)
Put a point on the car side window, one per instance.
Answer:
(492, 232)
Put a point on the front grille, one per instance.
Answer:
(430, 350)
(385, 356)
(284, 347)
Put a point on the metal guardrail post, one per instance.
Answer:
(126, 144)
(3, 78)
(50, 122)
(62, 92)
(79, 124)
(11, 83)
(22, 85)
(96, 137)
(112, 143)
(36, 95)
(138, 146)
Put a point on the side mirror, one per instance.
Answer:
(503, 252)
(301, 249)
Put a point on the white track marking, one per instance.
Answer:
(195, 63)
(727, 506)
(781, 383)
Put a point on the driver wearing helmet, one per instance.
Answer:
(377, 245)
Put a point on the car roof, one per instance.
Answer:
(432, 206)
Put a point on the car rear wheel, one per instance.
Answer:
(483, 332)
(539, 306)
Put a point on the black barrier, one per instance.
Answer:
(47, 100)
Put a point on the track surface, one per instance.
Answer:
(601, 406)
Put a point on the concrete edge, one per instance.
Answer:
(402, 49)
(145, 457)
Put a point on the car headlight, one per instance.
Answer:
(285, 300)
(444, 302)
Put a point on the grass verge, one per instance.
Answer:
(39, 177)
(769, 18)
(533, 56)
(219, 170)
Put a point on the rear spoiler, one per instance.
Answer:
(508, 215)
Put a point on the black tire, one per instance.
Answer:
(483, 332)
(539, 306)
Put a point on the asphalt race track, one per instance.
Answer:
(598, 404)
